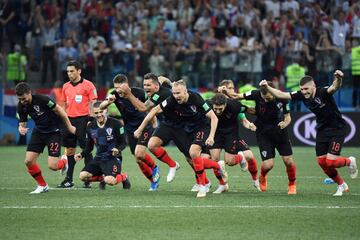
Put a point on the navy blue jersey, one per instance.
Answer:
(105, 138)
(228, 120)
(41, 111)
(131, 116)
(190, 115)
(324, 107)
(268, 114)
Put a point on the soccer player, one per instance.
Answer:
(186, 123)
(157, 93)
(154, 87)
(78, 96)
(47, 116)
(226, 136)
(330, 125)
(107, 134)
(272, 119)
(227, 87)
(131, 104)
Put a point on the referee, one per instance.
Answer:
(78, 96)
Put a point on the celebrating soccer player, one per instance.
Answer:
(47, 116)
(107, 134)
(186, 123)
(330, 126)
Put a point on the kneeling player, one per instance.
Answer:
(108, 136)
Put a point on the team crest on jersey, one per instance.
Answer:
(109, 131)
(193, 108)
(37, 108)
(318, 101)
(264, 153)
(164, 103)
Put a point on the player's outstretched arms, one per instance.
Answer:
(275, 92)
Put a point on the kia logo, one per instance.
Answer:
(304, 129)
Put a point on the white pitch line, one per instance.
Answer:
(184, 206)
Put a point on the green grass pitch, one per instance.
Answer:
(173, 212)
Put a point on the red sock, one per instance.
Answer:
(291, 172)
(252, 167)
(263, 171)
(96, 179)
(237, 159)
(338, 162)
(206, 180)
(218, 176)
(196, 177)
(121, 177)
(149, 161)
(35, 172)
(198, 164)
(146, 170)
(210, 164)
(61, 163)
(331, 172)
(162, 155)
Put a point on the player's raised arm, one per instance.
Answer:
(109, 100)
(338, 76)
(139, 105)
(275, 92)
(230, 93)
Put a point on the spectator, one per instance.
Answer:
(64, 54)
(8, 22)
(103, 60)
(16, 66)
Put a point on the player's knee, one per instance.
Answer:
(140, 153)
(152, 146)
(110, 180)
(139, 156)
(289, 161)
(84, 176)
(268, 164)
(229, 161)
(53, 166)
(29, 162)
(194, 154)
(248, 155)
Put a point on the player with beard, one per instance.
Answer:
(47, 116)
(186, 117)
(331, 127)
